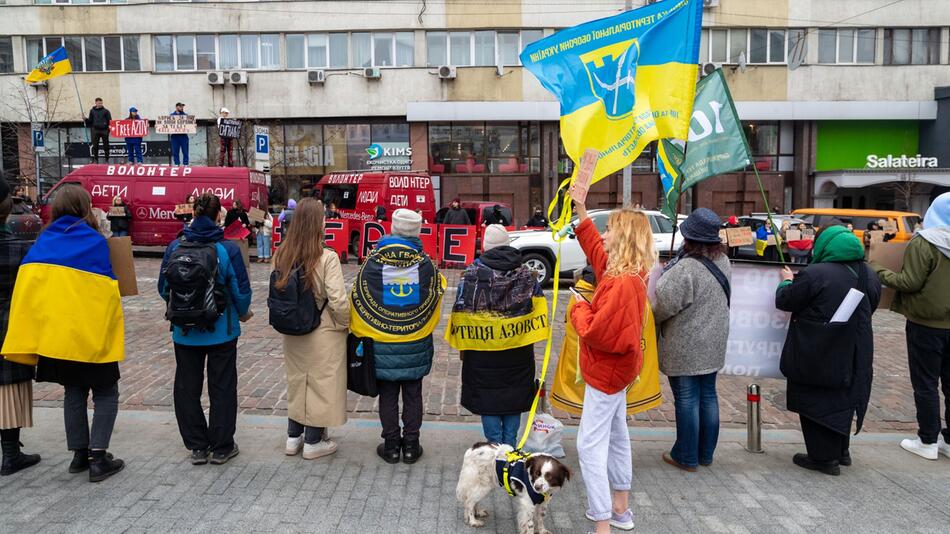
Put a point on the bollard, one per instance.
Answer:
(754, 420)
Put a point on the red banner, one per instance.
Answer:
(236, 230)
(457, 245)
(338, 237)
(128, 128)
(373, 231)
(430, 240)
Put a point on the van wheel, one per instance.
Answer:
(540, 264)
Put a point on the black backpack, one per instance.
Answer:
(293, 310)
(195, 299)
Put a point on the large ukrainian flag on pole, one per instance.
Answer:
(622, 81)
(54, 65)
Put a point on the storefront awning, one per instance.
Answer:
(828, 182)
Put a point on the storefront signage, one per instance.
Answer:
(176, 124)
(150, 149)
(901, 162)
(390, 156)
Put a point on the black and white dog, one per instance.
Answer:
(532, 480)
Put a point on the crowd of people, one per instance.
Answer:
(395, 305)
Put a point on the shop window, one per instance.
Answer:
(334, 147)
(390, 133)
(357, 139)
(912, 46)
(497, 148)
(763, 138)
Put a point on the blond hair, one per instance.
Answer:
(631, 250)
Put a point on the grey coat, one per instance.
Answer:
(692, 317)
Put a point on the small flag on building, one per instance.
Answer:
(54, 65)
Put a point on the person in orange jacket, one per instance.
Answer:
(610, 329)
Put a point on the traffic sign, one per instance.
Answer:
(39, 138)
(261, 143)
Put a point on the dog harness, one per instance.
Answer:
(513, 467)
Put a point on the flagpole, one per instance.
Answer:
(768, 214)
(676, 210)
(82, 113)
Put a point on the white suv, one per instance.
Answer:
(539, 249)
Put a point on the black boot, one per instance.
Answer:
(102, 466)
(14, 460)
(80, 461)
(411, 451)
(828, 468)
(389, 451)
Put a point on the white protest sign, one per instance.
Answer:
(175, 124)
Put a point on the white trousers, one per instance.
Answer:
(603, 449)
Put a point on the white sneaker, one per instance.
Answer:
(928, 451)
(943, 447)
(321, 448)
(293, 445)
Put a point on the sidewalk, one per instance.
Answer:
(887, 490)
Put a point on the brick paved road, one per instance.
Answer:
(148, 371)
(886, 490)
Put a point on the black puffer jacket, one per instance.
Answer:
(498, 382)
(12, 252)
(99, 119)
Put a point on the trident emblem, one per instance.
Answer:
(402, 282)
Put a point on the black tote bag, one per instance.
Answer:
(361, 368)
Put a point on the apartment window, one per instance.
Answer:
(508, 48)
(339, 55)
(317, 44)
(437, 51)
(846, 45)
(228, 48)
(130, 53)
(270, 51)
(73, 52)
(530, 36)
(480, 48)
(205, 52)
(185, 52)
(738, 44)
(317, 50)
(210, 52)
(758, 45)
(88, 54)
(911, 46)
(719, 41)
(383, 49)
(485, 49)
(164, 55)
(405, 49)
(796, 45)
(6, 54)
(362, 49)
(249, 50)
(93, 53)
(460, 48)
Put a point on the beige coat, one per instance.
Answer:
(316, 362)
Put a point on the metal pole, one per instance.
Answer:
(754, 420)
(627, 173)
(36, 163)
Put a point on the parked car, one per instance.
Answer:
(23, 221)
(539, 249)
(860, 219)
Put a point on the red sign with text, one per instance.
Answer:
(338, 237)
(457, 245)
(128, 128)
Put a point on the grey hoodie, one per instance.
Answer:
(938, 237)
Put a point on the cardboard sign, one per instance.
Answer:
(738, 237)
(890, 226)
(338, 237)
(793, 235)
(229, 128)
(128, 128)
(236, 230)
(770, 240)
(184, 209)
(373, 231)
(722, 236)
(585, 172)
(123, 265)
(117, 211)
(256, 215)
(808, 234)
(176, 124)
(429, 234)
(889, 255)
(456, 245)
(875, 236)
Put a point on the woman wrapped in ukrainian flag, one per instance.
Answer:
(66, 318)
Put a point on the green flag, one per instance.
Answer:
(716, 143)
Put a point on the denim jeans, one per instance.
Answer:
(105, 402)
(603, 449)
(697, 419)
(263, 246)
(312, 434)
(501, 428)
(120, 233)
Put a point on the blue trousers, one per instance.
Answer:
(133, 147)
(501, 428)
(263, 245)
(697, 419)
(179, 147)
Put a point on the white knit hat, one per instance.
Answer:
(406, 223)
(225, 110)
(495, 236)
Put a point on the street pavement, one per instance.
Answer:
(149, 369)
(886, 490)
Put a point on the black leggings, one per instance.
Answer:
(10, 434)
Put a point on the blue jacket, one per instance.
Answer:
(231, 274)
(403, 361)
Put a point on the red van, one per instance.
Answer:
(358, 193)
(152, 191)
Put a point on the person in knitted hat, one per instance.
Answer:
(406, 223)
(495, 236)
(692, 313)
(16, 380)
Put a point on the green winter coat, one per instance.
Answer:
(923, 284)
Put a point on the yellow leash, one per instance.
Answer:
(563, 220)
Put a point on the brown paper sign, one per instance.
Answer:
(890, 226)
(123, 265)
(793, 235)
(585, 172)
(723, 237)
(770, 240)
(891, 256)
(876, 236)
(738, 237)
(255, 215)
(184, 209)
(117, 211)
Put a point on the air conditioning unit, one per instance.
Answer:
(316, 76)
(238, 77)
(709, 68)
(372, 73)
(447, 72)
(710, 3)
(215, 78)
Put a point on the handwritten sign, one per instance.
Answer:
(738, 237)
(128, 128)
(229, 128)
(584, 174)
(793, 235)
(176, 124)
(184, 209)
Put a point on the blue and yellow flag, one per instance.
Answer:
(66, 302)
(622, 81)
(669, 158)
(51, 66)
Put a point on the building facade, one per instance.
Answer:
(823, 89)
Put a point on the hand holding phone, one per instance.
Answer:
(578, 295)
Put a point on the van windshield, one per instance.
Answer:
(343, 195)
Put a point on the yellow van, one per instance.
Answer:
(906, 222)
